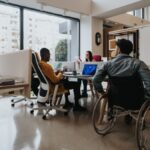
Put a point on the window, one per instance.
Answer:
(138, 13)
(58, 34)
(9, 28)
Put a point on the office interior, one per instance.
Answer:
(68, 29)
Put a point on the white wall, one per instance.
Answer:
(89, 27)
(97, 26)
(85, 35)
(144, 44)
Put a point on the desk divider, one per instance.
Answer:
(17, 65)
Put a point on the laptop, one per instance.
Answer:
(89, 69)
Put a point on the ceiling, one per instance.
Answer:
(98, 8)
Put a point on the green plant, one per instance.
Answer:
(61, 51)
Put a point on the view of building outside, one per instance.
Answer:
(60, 35)
(52, 32)
(9, 28)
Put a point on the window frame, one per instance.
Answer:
(43, 11)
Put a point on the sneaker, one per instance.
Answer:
(79, 108)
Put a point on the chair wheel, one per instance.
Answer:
(12, 105)
(12, 100)
(32, 111)
(44, 117)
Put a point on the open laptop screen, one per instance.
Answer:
(89, 69)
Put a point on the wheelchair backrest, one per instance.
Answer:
(127, 92)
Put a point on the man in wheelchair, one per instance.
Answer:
(129, 79)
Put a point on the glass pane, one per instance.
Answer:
(9, 28)
(138, 13)
(58, 34)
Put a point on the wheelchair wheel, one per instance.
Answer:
(143, 127)
(101, 123)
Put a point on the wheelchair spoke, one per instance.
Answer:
(101, 122)
(144, 129)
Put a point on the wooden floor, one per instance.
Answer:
(19, 130)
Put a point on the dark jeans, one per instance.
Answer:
(75, 86)
(85, 86)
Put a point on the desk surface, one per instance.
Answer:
(79, 76)
(16, 85)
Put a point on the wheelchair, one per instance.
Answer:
(120, 92)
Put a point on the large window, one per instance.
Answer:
(58, 34)
(9, 28)
(23, 28)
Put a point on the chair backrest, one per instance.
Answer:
(97, 58)
(44, 85)
(127, 92)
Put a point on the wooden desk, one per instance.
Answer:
(21, 88)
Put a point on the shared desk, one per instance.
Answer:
(78, 76)
(71, 77)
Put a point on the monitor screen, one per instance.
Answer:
(89, 69)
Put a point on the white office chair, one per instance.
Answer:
(43, 94)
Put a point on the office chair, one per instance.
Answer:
(43, 94)
(124, 96)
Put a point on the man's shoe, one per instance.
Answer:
(84, 95)
(68, 105)
(128, 119)
(79, 108)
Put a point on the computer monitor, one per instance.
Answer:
(89, 69)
